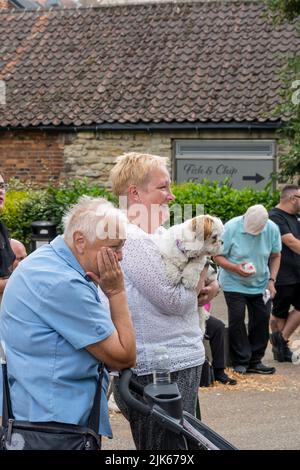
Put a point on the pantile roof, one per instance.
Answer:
(148, 63)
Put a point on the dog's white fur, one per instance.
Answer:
(185, 247)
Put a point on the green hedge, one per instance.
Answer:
(221, 199)
(25, 204)
(21, 208)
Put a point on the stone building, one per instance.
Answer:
(197, 82)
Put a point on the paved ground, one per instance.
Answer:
(261, 412)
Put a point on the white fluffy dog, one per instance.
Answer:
(185, 247)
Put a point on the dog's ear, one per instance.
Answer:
(208, 227)
(202, 226)
(197, 226)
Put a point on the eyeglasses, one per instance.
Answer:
(3, 185)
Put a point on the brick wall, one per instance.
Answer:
(92, 154)
(32, 156)
(39, 157)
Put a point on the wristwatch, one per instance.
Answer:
(272, 279)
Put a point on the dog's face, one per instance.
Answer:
(202, 235)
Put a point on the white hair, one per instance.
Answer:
(95, 218)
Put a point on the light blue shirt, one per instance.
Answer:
(240, 246)
(50, 312)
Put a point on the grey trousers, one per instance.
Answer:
(146, 432)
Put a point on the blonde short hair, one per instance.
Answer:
(91, 216)
(133, 168)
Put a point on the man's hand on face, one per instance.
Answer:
(110, 277)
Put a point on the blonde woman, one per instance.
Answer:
(162, 314)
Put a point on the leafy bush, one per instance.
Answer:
(221, 199)
(59, 198)
(21, 209)
(24, 204)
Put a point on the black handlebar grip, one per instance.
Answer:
(126, 395)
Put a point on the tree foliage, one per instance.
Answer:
(285, 9)
(289, 109)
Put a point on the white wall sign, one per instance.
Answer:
(246, 162)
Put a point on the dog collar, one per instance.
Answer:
(180, 246)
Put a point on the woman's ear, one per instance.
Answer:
(133, 193)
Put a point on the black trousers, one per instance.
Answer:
(247, 347)
(215, 331)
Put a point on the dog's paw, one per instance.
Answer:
(189, 283)
(173, 274)
(190, 276)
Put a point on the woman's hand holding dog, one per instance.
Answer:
(208, 293)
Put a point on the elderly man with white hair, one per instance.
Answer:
(249, 263)
(54, 327)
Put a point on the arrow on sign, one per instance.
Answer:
(257, 178)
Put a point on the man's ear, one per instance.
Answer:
(79, 242)
(133, 193)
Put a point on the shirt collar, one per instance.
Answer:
(61, 249)
(179, 244)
